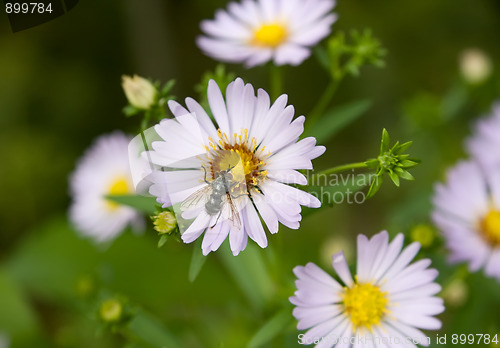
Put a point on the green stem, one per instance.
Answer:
(343, 168)
(144, 126)
(323, 102)
(276, 81)
(145, 120)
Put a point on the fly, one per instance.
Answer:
(216, 198)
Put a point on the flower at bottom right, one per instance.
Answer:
(384, 305)
(467, 211)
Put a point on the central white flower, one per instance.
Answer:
(228, 174)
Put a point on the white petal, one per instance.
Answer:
(218, 107)
(267, 213)
(492, 268)
(416, 293)
(323, 329)
(253, 226)
(339, 264)
(291, 54)
(402, 261)
(196, 228)
(288, 176)
(237, 240)
(311, 316)
(364, 262)
(314, 33)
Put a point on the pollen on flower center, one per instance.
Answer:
(239, 154)
(490, 227)
(365, 304)
(119, 186)
(270, 35)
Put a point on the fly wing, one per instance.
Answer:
(197, 199)
(230, 212)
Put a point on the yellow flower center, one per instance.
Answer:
(490, 227)
(119, 186)
(241, 156)
(270, 35)
(365, 304)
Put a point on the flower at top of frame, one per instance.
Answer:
(254, 32)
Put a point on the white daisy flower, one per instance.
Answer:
(467, 211)
(103, 170)
(257, 31)
(384, 305)
(258, 138)
(485, 142)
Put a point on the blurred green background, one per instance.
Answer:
(60, 88)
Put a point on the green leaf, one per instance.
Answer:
(375, 186)
(337, 119)
(409, 163)
(143, 204)
(197, 261)
(162, 241)
(130, 110)
(402, 148)
(386, 140)
(322, 56)
(151, 331)
(404, 174)
(271, 328)
(394, 177)
(249, 271)
(18, 317)
(167, 87)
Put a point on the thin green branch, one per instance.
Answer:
(343, 168)
(320, 108)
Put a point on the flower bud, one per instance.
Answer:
(455, 293)
(164, 222)
(475, 66)
(424, 234)
(111, 311)
(140, 92)
(333, 245)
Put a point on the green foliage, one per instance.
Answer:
(143, 204)
(197, 261)
(147, 330)
(336, 119)
(221, 76)
(392, 161)
(348, 55)
(272, 328)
